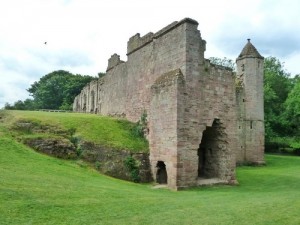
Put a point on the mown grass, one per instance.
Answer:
(107, 131)
(38, 189)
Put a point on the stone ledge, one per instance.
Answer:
(210, 181)
(168, 78)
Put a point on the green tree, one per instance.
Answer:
(28, 104)
(277, 86)
(292, 105)
(229, 63)
(100, 74)
(73, 88)
(8, 106)
(58, 89)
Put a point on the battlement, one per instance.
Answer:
(113, 61)
(136, 42)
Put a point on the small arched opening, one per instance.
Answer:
(92, 101)
(84, 103)
(161, 174)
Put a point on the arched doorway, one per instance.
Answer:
(161, 174)
(92, 101)
(210, 151)
(84, 103)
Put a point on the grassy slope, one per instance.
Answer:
(99, 129)
(37, 189)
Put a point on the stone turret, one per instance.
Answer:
(250, 99)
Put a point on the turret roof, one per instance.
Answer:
(249, 51)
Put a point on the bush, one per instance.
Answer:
(132, 165)
(140, 127)
(283, 145)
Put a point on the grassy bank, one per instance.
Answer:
(37, 189)
(107, 131)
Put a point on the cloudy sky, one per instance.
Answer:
(82, 34)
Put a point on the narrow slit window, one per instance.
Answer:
(243, 67)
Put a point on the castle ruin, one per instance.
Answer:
(203, 118)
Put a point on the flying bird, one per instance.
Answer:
(45, 42)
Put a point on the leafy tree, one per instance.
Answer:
(73, 88)
(292, 105)
(277, 86)
(28, 104)
(58, 89)
(8, 106)
(100, 74)
(223, 62)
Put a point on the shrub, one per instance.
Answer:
(140, 127)
(132, 165)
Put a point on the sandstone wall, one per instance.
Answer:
(166, 95)
(112, 161)
(125, 89)
(192, 105)
(210, 97)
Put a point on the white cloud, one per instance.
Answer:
(291, 63)
(82, 34)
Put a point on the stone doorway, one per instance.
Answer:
(161, 174)
(210, 151)
(92, 101)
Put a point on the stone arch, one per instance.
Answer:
(212, 151)
(92, 101)
(84, 103)
(161, 174)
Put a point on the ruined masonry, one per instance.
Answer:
(203, 118)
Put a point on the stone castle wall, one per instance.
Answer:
(196, 119)
(125, 90)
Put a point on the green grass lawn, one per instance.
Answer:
(107, 131)
(38, 189)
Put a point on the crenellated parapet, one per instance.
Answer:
(113, 61)
(136, 42)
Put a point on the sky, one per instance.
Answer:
(82, 34)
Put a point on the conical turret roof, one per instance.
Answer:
(249, 51)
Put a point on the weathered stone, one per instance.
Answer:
(112, 161)
(202, 118)
(60, 148)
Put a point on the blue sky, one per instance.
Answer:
(82, 34)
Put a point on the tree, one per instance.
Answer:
(58, 89)
(8, 106)
(73, 88)
(229, 63)
(28, 104)
(292, 105)
(277, 86)
(100, 74)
